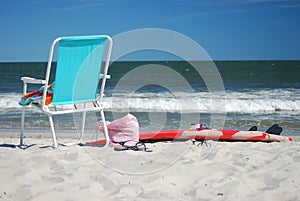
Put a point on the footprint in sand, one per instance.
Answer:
(53, 179)
(22, 194)
(272, 181)
(69, 156)
(131, 190)
(105, 182)
(296, 158)
(54, 166)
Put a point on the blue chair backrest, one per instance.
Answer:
(78, 69)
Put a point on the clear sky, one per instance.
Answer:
(226, 29)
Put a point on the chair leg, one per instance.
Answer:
(22, 126)
(83, 125)
(52, 131)
(105, 128)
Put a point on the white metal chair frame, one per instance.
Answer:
(45, 108)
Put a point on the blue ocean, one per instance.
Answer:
(256, 93)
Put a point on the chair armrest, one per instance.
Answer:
(107, 76)
(32, 80)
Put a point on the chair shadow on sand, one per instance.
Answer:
(16, 146)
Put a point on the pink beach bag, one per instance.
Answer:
(124, 130)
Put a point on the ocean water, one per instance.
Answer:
(257, 93)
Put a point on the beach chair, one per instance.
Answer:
(80, 79)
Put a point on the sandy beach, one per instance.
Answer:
(172, 171)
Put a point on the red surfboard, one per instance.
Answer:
(206, 134)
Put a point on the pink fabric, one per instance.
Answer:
(125, 130)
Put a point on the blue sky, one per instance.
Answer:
(226, 29)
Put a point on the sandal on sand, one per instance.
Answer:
(140, 146)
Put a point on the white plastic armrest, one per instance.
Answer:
(32, 80)
(107, 76)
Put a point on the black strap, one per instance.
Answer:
(136, 147)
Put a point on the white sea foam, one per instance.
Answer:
(231, 101)
(241, 102)
(9, 100)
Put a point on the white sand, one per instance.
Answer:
(173, 171)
